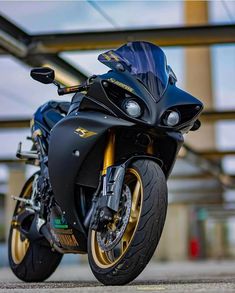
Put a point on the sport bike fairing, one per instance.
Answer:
(76, 158)
(141, 68)
(143, 60)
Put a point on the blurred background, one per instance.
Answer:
(198, 38)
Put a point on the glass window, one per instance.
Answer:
(50, 16)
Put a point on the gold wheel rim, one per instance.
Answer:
(19, 246)
(108, 259)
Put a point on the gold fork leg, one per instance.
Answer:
(109, 152)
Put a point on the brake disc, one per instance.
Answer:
(110, 237)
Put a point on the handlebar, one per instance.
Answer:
(71, 89)
(75, 88)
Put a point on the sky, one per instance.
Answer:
(20, 95)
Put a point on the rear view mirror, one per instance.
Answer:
(43, 74)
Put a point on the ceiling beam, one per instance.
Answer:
(6, 161)
(15, 123)
(208, 166)
(213, 116)
(188, 176)
(65, 73)
(2, 52)
(15, 31)
(70, 41)
(17, 42)
(200, 198)
(175, 36)
(216, 154)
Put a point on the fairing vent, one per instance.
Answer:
(188, 112)
(116, 94)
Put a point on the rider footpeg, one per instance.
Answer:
(26, 154)
(24, 200)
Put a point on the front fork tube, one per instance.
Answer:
(150, 149)
(113, 176)
(109, 154)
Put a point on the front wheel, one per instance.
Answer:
(119, 262)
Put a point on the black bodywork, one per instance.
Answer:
(75, 161)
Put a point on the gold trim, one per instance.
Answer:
(106, 57)
(84, 133)
(37, 132)
(109, 152)
(67, 240)
(19, 246)
(150, 149)
(122, 85)
(107, 259)
(113, 56)
(31, 123)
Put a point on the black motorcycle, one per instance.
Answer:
(103, 163)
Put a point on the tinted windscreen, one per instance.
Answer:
(143, 60)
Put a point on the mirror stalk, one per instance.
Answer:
(56, 83)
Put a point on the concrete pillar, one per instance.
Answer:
(173, 245)
(198, 81)
(198, 74)
(174, 242)
(15, 184)
(219, 249)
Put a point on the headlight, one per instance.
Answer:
(132, 108)
(172, 118)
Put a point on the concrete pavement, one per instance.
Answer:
(213, 276)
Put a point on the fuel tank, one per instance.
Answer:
(48, 114)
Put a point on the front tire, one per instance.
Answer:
(30, 261)
(147, 184)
